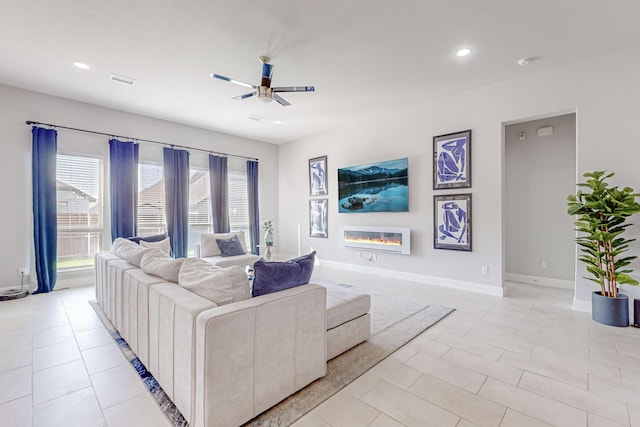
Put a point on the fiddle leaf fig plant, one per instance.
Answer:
(602, 212)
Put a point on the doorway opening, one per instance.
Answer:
(540, 171)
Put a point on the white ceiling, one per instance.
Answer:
(361, 55)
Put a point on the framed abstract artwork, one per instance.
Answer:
(452, 160)
(452, 222)
(318, 218)
(318, 176)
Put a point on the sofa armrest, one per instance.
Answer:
(252, 354)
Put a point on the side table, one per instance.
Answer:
(267, 254)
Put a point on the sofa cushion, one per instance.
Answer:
(345, 304)
(159, 263)
(128, 250)
(164, 245)
(230, 247)
(220, 285)
(240, 260)
(272, 276)
(209, 246)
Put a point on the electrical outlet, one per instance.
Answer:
(543, 263)
(485, 270)
(23, 271)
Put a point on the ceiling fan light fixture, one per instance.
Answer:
(265, 94)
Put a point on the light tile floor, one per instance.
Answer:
(523, 360)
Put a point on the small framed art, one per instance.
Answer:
(318, 176)
(452, 222)
(318, 218)
(452, 160)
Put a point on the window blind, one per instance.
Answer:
(239, 204)
(151, 204)
(79, 210)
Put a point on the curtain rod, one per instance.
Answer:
(30, 122)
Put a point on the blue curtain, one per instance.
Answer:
(219, 193)
(254, 208)
(45, 227)
(176, 190)
(123, 188)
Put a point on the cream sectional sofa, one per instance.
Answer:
(222, 365)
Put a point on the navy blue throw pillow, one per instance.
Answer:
(277, 276)
(230, 247)
(154, 238)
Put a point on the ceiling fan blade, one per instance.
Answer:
(280, 100)
(294, 89)
(267, 71)
(245, 96)
(227, 79)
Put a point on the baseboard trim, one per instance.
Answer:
(539, 280)
(581, 305)
(420, 278)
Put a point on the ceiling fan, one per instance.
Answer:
(265, 92)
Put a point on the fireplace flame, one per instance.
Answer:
(392, 239)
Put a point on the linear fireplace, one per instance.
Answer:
(387, 239)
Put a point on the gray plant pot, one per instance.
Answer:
(610, 311)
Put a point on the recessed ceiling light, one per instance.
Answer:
(463, 52)
(277, 122)
(81, 65)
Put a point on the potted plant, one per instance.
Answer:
(602, 213)
(267, 226)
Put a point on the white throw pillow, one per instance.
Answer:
(209, 246)
(159, 263)
(128, 250)
(118, 243)
(220, 285)
(163, 245)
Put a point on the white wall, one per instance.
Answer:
(604, 93)
(540, 172)
(18, 106)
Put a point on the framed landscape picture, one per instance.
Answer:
(374, 187)
(452, 222)
(452, 160)
(318, 176)
(318, 218)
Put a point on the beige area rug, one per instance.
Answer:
(394, 322)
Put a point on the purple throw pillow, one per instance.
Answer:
(154, 238)
(230, 247)
(277, 276)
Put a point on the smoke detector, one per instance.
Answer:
(524, 61)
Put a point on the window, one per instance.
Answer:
(200, 220)
(79, 210)
(151, 214)
(239, 204)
